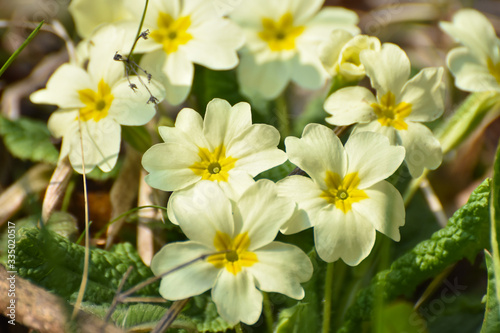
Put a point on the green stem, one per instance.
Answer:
(23, 45)
(238, 328)
(282, 115)
(327, 305)
(137, 36)
(268, 313)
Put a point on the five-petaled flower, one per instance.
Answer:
(398, 108)
(239, 236)
(225, 148)
(95, 102)
(476, 65)
(346, 199)
(183, 33)
(282, 43)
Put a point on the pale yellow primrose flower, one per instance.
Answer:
(91, 14)
(224, 147)
(101, 99)
(283, 37)
(340, 54)
(183, 33)
(476, 65)
(245, 229)
(399, 107)
(346, 199)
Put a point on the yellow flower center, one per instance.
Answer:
(236, 255)
(214, 165)
(280, 35)
(171, 33)
(97, 104)
(343, 192)
(494, 69)
(390, 114)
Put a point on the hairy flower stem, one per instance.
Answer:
(327, 305)
(268, 313)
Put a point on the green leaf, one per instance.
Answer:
(138, 137)
(495, 222)
(200, 315)
(466, 233)
(278, 172)
(399, 317)
(56, 264)
(491, 323)
(28, 139)
(465, 120)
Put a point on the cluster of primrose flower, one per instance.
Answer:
(210, 163)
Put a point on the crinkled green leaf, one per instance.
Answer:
(466, 233)
(56, 264)
(491, 323)
(28, 139)
(200, 315)
(495, 224)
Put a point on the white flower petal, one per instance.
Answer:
(132, 107)
(350, 105)
(175, 72)
(471, 74)
(168, 166)
(188, 281)
(236, 298)
(263, 212)
(223, 123)
(388, 69)
(266, 80)
(375, 126)
(472, 29)
(62, 122)
(63, 86)
(423, 150)
(346, 236)
(303, 11)
(307, 195)
(202, 211)
(319, 150)
(237, 184)
(256, 149)
(188, 130)
(215, 44)
(330, 49)
(281, 268)
(425, 93)
(372, 157)
(307, 70)
(104, 44)
(329, 19)
(384, 209)
(106, 137)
